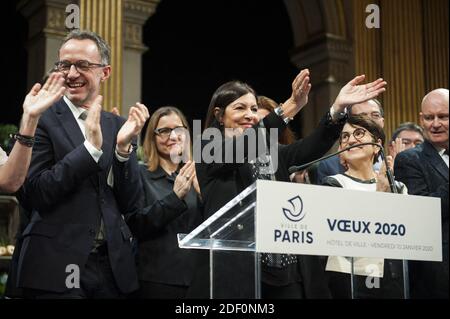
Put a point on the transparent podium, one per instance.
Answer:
(229, 235)
(237, 234)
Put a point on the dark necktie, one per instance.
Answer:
(83, 116)
(100, 236)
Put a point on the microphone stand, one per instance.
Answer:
(390, 177)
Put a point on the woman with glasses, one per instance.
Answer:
(360, 175)
(171, 205)
(233, 111)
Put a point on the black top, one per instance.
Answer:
(425, 173)
(220, 182)
(162, 216)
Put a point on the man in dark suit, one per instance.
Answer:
(424, 170)
(83, 178)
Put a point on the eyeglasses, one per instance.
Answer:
(358, 134)
(165, 132)
(373, 115)
(80, 66)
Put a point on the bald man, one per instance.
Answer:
(424, 170)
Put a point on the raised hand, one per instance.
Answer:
(183, 182)
(115, 111)
(354, 92)
(40, 98)
(396, 147)
(92, 124)
(196, 184)
(132, 127)
(382, 180)
(299, 96)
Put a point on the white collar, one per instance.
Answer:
(441, 151)
(76, 110)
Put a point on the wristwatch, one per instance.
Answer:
(339, 116)
(279, 111)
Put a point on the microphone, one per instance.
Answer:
(389, 175)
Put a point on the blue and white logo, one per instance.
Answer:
(295, 214)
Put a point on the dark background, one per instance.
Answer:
(194, 47)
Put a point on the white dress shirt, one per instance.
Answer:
(3, 157)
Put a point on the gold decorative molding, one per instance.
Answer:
(402, 60)
(44, 17)
(367, 42)
(410, 51)
(105, 18)
(331, 52)
(144, 8)
(136, 13)
(436, 44)
(133, 37)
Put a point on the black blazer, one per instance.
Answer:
(68, 193)
(163, 215)
(424, 172)
(219, 183)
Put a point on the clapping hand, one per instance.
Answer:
(299, 97)
(40, 98)
(382, 180)
(137, 117)
(396, 147)
(183, 182)
(354, 92)
(92, 125)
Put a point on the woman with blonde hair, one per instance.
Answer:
(170, 205)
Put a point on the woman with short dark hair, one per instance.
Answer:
(360, 175)
(233, 111)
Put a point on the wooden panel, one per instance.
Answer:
(367, 43)
(436, 43)
(402, 60)
(105, 18)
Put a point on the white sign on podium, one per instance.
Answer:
(316, 220)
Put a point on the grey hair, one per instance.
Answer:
(407, 126)
(377, 102)
(103, 47)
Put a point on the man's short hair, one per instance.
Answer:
(103, 47)
(407, 126)
(380, 107)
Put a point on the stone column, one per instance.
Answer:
(329, 60)
(105, 18)
(46, 29)
(135, 14)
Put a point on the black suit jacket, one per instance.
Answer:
(220, 182)
(68, 193)
(162, 216)
(425, 173)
